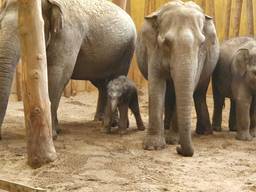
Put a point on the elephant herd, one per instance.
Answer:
(177, 50)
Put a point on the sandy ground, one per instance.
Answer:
(90, 161)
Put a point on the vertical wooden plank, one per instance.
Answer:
(227, 19)
(19, 81)
(250, 22)
(67, 90)
(237, 17)
(73, 87)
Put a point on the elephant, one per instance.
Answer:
(235, 78)
(122, 94)
(85, 40)
(177, 50)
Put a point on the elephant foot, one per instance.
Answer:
(252, 132)
(185, 152)
(106, 130)
(171, 137)
(99, 117)
(244, 136)
(201, 131)
(217, 128)
(154, 142)
(232, 129)
(122, 131)
(141, 127)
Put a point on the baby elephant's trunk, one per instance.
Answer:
(114, 103)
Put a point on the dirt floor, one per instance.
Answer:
(90, 161)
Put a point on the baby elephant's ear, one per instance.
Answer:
(241, 61)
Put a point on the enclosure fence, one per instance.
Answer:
(232, 18)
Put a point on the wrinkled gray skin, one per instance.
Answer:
(122, 95)
(177, 51)
(86, 40)
(235, 78)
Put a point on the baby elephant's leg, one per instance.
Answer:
(123, 122)
(107, 118)
(134, 106)
(253, 118)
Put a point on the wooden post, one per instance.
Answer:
(237, 17)
(73, 87)
(212, 9)
(40, 147)
(19, 81)
(68, 90)
(250, 22)
(227, 19)
(121, 3)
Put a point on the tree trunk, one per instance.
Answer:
(121, 3)
(40, 147)
(250, 22)
(227, 19)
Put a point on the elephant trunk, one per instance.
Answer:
(114, 103)
(9, 56)
(184, 82)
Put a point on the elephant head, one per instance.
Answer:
(244, 65)
(180, 35)
(10, 46)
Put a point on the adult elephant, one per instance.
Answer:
(177, 51)
(86, 40)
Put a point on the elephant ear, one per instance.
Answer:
(241, 60)
(56, 17)
(209, 30)
(150, 28)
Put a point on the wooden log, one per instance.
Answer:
(237, 17)
(40, 147)
(16, 187)
(73, 88)
(212, 9)
(68, 90)
(19, 81)
(227, 19)
(250, 22)
(121, 3)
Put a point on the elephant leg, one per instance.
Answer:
(203, 125)
(102, 99)
(123, 110)
(217, 111)
(107, 124)
(253, 118)
(60, 64)
(243, 119)
(232, 116)
(155, 135)
(134, 106)
(169, 103)
(172, 135)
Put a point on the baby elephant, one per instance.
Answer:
(122, 94)
(235, 78)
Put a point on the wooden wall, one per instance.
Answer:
(232, 18)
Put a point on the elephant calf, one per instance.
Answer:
(235, 78)
(122, 94)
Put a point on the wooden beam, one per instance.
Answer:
(16, 187)
(68, 90)
(227, 19)
(250, 22)
(40, 146)
(237, 17)
(121, 3)
(19, 81)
